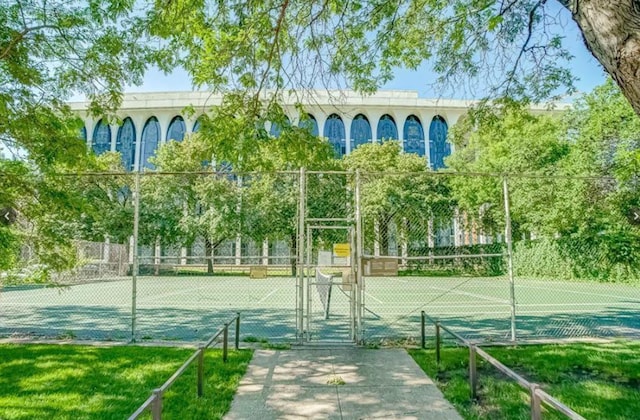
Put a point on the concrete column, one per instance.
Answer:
(238, 250)
(347, 133)
(138, 122)
(114, 136)
(265, 252)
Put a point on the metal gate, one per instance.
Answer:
(329, 295)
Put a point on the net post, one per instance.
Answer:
(438, 343)
(423, 338)
(225, 343)
(237, 337)
(508, 239)
(134, 269)
(473, 372)
(200, 372)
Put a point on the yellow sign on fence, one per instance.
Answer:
(341, 250)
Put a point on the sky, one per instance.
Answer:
(588, 71)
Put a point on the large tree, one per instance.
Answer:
(510, 48)
(49, 51)
(573, 179)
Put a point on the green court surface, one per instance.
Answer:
(193, 307)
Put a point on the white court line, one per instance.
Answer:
(268, 295)
(579, 293)
(182, 292)
(460, 292)
(373, 297)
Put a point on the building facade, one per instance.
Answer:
(345, 118)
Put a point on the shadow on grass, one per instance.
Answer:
(83, 382)
(596, 380)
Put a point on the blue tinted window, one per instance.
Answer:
(310, 124)
(275, 129)
(387, 129)
(176, 129)
(101, 138)
(150, 139)
(438, 146)
(360, 131)
(196, 126)
(413, 136)
(126, 143)
(83, 133)
(334, 131)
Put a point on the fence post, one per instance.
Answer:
(156, 406)
(300, 266)
(473, 373)
(423, 338)
(536, 409)
(134, 268)
(237, 343)
(225, 342)
(360, 285)
(438, 343)
(201, 372)
(508, 239)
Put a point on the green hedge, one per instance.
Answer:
(574, 259)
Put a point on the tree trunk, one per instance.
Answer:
(208, 246)
(611, 31)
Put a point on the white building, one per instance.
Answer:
(345, 118)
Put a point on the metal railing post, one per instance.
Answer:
(423, 338)
(156, 407)
(473, 373)
(201, 372)
(225, 343)
(237, 342)
(438, 343)
(536, 409)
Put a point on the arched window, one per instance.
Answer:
(101, 138)
(275, 129)
(413, 136)
(360, 131)
(311, 124)
(83, 133)
(126, 143)
(176, 129)
(150, 139)
(387, 129)
(334, 131)
(196, 126)
(438, 146)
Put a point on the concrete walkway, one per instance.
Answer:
(337, 383)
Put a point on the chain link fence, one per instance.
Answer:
(338, 256)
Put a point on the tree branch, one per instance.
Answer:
(20, 36)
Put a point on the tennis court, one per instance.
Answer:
(191, 308)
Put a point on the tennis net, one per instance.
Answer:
(324, 283)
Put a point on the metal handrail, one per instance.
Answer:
(538, 396)
(154, 402)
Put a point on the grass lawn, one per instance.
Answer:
(86, 382)
(598, 381)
